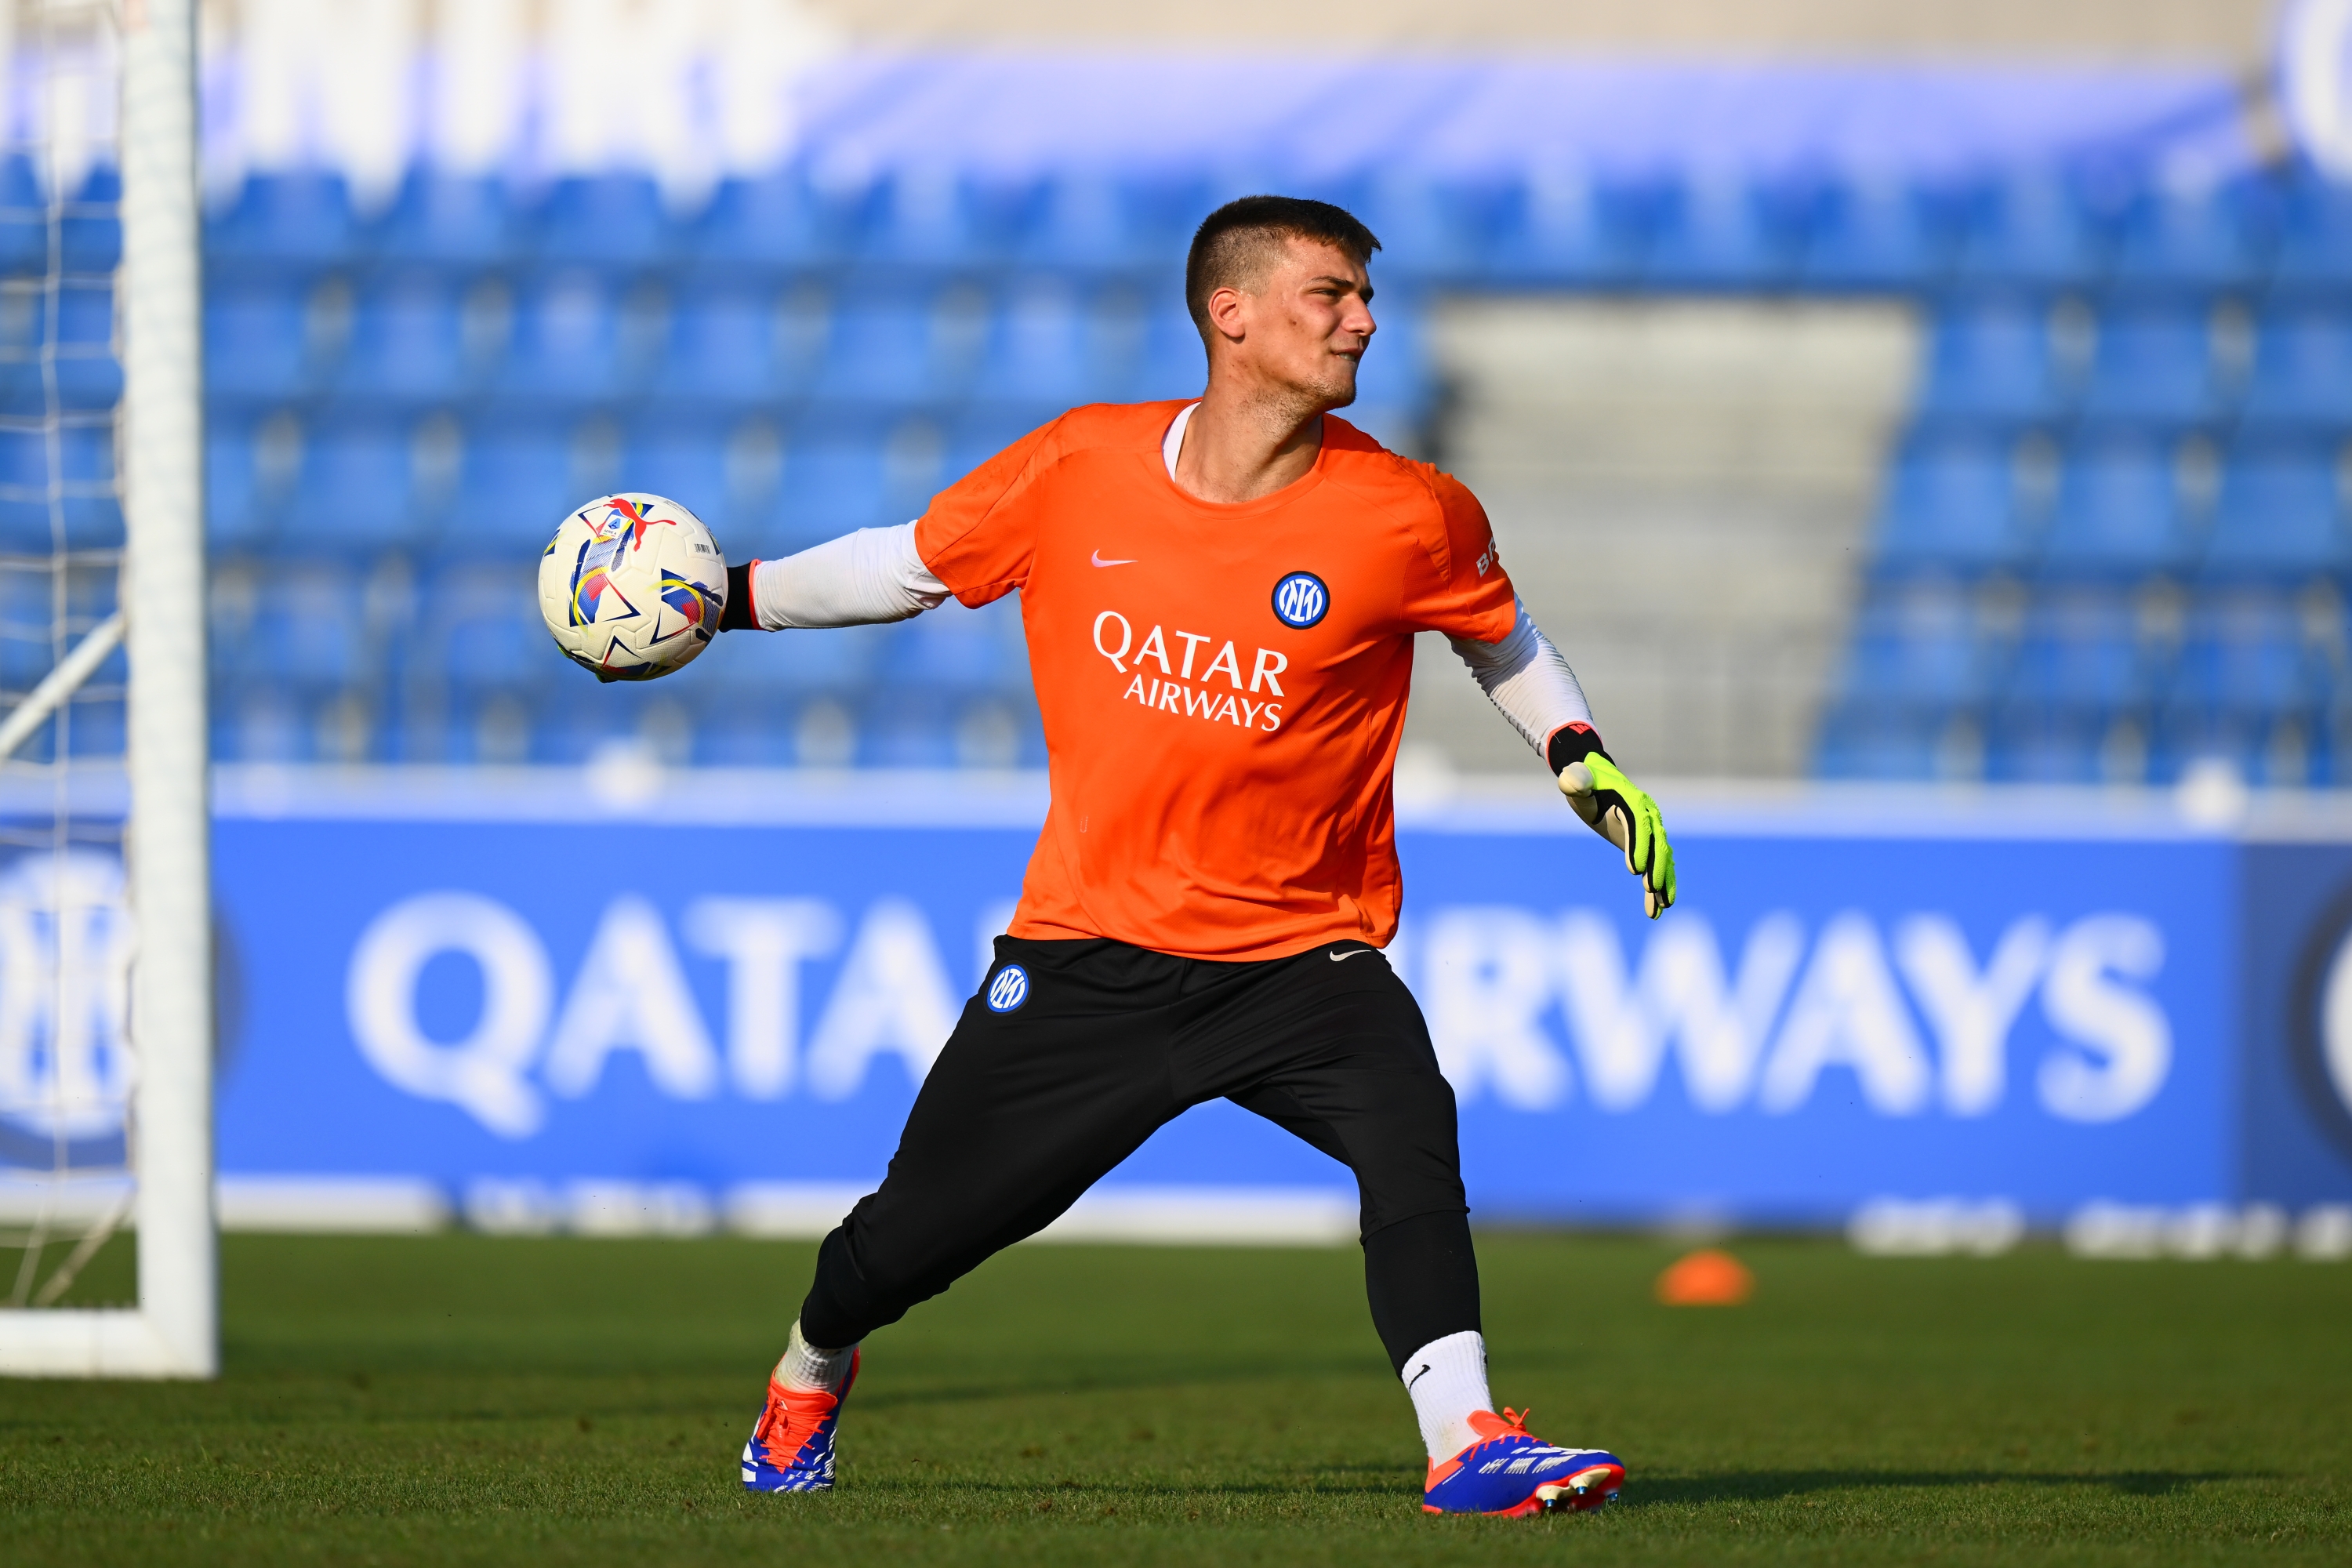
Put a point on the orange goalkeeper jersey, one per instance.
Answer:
(1222, 687)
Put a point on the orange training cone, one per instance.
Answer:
(1705, 1279)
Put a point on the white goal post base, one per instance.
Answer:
(107, 1342)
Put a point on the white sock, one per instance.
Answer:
(1447, 1380)
(805, 1367)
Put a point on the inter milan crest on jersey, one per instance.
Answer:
(1300, 600)
(1009, 989)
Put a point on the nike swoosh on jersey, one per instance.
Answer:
(1351, 952)
(1100, 562)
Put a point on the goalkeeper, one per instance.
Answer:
(1220, 597)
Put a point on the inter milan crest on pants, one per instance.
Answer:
(1009, 989)
(1300, 600)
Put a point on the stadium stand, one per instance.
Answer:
(2111, 541)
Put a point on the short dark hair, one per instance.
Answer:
(1239, 237)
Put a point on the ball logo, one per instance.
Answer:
(1009, 989)
(1300, 600)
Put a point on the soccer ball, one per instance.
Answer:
(631, 585)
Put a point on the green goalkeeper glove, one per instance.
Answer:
(1625, 815)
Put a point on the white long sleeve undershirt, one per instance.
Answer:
(877, 575)
(857, 580)
(1527, 680)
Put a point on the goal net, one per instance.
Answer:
(105, 945)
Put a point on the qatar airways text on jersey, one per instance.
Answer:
(1249, 706)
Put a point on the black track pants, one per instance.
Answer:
(1027, 1107)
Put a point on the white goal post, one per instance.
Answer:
(174, 1332)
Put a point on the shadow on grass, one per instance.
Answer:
(1764, 1486)
(1360, 1482)
(1378, 1483)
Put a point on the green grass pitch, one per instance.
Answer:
(462, 1400)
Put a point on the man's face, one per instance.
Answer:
(1308, 324)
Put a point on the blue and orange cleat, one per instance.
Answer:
(1510, 1472)
(790, 1449)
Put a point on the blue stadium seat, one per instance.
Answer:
(2118, 513)
(567, 348)
(833, 483)
(1559, 227)
(900, 729)
(2315, 244)
(355, 490)
(2028, 743)
(914, 467)
(76, 511)
(2154, 365)
(613, 221)
(283, 224)
(897, 347)
(1874, 232)
(254, 342)
(2206, 236)
(576, 717)
(1863, 741)
(1714, 230)
(984, 430)
(2082, 651)
(2243, 653)
(954, 649)
(751, 728)
(1175, 364)
(470, 608)
(2303, 368)
(309, 637)
(1951, 505)
(86, 377)
(235, 515)
(2189, 734)
(1039, 348)
(1991, 357)
(89, 226)
(774, 222)
(751, 469)
(518, 484)
(27, 645)
(1432, 229)
(23, 218)
(933, 217)
(2073, 708)
(407, 342)
(726, 347)
(448, 218)
(1090, 220)
(2033, 225)
(2280, 515)
(1393, 377)
(294, 679)
(1918, 644)
(684, 459)
(834, 661)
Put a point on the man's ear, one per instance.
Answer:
(1227, 308)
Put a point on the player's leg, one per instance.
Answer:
(1049, 1081)
(1345, 1062)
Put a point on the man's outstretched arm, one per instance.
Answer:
(1531, 683)
(859, 579)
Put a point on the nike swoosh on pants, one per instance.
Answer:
(1100, 562)
(1351, 952)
